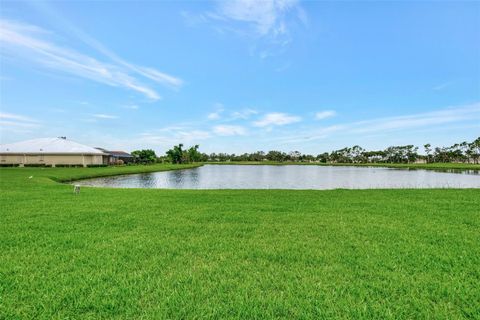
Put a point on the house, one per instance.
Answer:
(51, 151)
(115, 157)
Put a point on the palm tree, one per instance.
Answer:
(428, 149)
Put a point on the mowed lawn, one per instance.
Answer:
(244, 254)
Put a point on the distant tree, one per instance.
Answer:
(176, 154)
(341, 156)
(428, 150)
(460, 152)
(294, 156)
(257, 156)
(144, 156)
(474, 150)
(356, 154)
(374, 156)
(223, 157)
(193, 155)
(323, 157)
(274, 155)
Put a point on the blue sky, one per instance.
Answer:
(241, 76)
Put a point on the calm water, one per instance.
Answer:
(290, 177)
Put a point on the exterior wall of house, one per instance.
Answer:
(51, 159)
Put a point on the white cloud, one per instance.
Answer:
(28, 42)
(169, 136)
(243, 114)
(66, 25)
(385, 125)
(216, 115)
(312, 135)
(18, 124)
(17, 117)
(276, 119)
(226, 130)
(10, 122)
(325, 114)
(268, 23)
(448, 115)
(131, 107)
(442, 86)
(104, 116)
(267, 17)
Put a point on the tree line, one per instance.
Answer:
(459, 152)
(175, 155)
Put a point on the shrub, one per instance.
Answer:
(97, 165)
(68, 165)
(34, 165)
(9, 164)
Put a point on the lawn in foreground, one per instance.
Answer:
(133, 253)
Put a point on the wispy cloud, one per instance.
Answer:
(449, 115)
(66, 24)
(386, 125)
(104, 116)
(243, 114)
(19, 124)
(267, 17)
(442, 86)
(230, 116)
(16, 117)
(325, 114)
(168, 136)
(276, 119)
(131, 107)
(226, 130)
(311, 135)
(16, 122)
(30, 42)
(217, 114)
(266, 20)
(214, 115)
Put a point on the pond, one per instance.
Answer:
(290, 177)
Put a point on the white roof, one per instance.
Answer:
(48, 146)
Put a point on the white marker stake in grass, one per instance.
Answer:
(76, 189)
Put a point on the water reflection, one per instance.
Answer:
(292, 177)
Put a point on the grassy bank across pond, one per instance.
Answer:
(431, 166)
(71, 174)
(233, 254)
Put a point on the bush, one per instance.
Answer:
(9, 164)
(34, 165)
(97, 165)
(69, 165)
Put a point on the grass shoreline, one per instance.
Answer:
(66, 175)
(233, 254)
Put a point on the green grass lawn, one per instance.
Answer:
(245, 254)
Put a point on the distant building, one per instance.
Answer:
(114, 157)
(51, 151)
